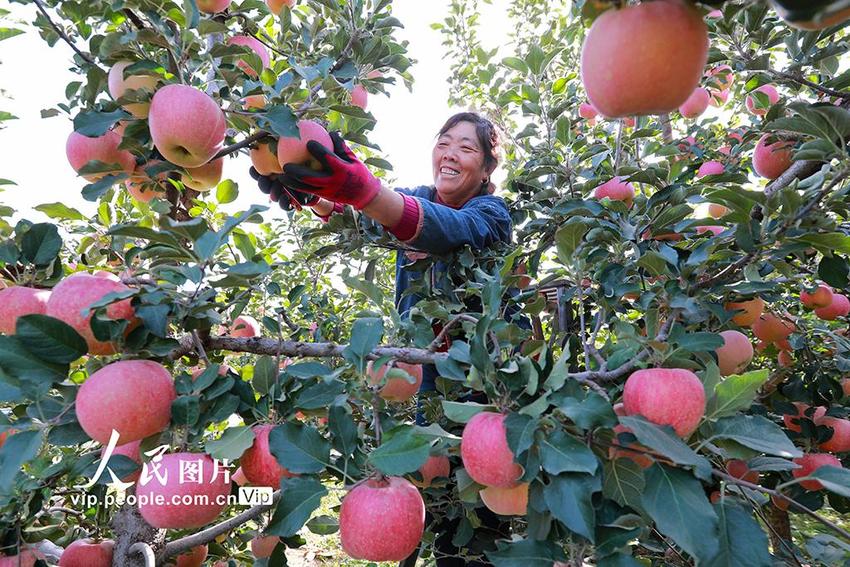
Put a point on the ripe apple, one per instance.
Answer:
(382, 520)
(80, 150)
(17, 301)
(88, 553)
(263, 547)
(142, 188)
(666, 396)
(716, 211)
(264, 159)
(721, 77)
(174, 512)
(821, 297)
(277, 5)
(713, 229)
(239, 477)
(436, 465)
(771, 328)
(75, 293)
(750, 311)
(26, 558)
(131, 451)
(711, 168)
(187, 126)
(587, 111)
(485, 453)
(205, 177)
(616, 190)
(254, 102)
(735, 354)
(792, 422)
(254, 45)
(809, 463)
(294, 150)
(845, 386)
(780, 503)
(193, 558)
(753, 104)
(772, 160)
(840, 440)
(259, 466)
(511, 501)
(397, 388)
(655, 79)
(740, 470)
(132, 397)
(213, 6)
(359, 96)
(839, 307)
(119, 85)
(244, 326)
(696, 104)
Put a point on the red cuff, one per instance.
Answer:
(338, 209)
(408, 225)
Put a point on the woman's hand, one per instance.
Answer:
(286, 197)
(343, 177)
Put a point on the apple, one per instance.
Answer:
(780, 503)
(792, 422)
(81, 150)
(696, 104)
(621, 80)
(26, 558)
(809, 463)
(17, 301)
(511, 501)
(259, 466)
(750, 311)
(485, 453)
(839, 307)
(713, 229)
(88, 553)
(772, 160)
(294, 150)
(264, 159)
(711, 168)
(757, 108)
(193, 558)
(205, 177)
(821, 297)
(587, 111)
(132, 397)
(76, 293)
(735, 354)
(119, 85)
(263, 547)
(840, 440)
(721, 77)
(142, 188)
(239, 477)
(187, 126)
(616, 190)
(254, 45)
(244, 326)
(254, 102)
(740, 470)
(277, 5)
(435, 466)
(771, 328)
(784, 359)
(716, 211)
(213, 6)
(174, 511)
(397, 388)
(5, 435)
(666, 396)
(382, 519)
(359, 96)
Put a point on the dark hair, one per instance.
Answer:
(488, 135)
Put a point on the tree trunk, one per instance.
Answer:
(129, 527)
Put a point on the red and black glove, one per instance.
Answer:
(288, 198)
(342, 179)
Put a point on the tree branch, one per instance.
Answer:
(798, 170)
(438, 340)
(805, 82)
(61, 33)
(227, 150)
(212, 532)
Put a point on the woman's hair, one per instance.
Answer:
(488, 135)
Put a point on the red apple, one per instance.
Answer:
(131, 451)
(616, 190)
(244, 326)
(277, 5)
(721, 78)
(792, 422)
(435, 466)
(511, 501)
(260, 467)
(840, 440)
(635, 452)
(772, 160)
(696, 104)
(254, 102)
(771, 328)
(397, 388)
(809, 463)
(17, 301)
(213, 6)
(82, 150)
(205, 177)
(587, 111)
(821, 297)
(193, 558)
(264, 159)
(740, 470)
(711, 168)
(753, 104)
(119, 85)
(26, 558)
(263, 547)
(382, 520)
(239, 477)
(485, 453)
(359, 96)
(254, 45)
(839, 307)
(717, 211)
(294, 150)
(142, 188)
(735, 354)
(88, 553)
(666, 396)
(187, 126)
(749, 311)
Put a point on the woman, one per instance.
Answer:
(458, 209)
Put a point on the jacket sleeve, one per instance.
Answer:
(481, 222)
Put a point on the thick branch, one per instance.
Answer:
(798, 170)
(212, 532)
(61, 33)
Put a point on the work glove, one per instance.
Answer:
(286, 197)
(342, 179)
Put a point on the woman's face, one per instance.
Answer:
(458, 163)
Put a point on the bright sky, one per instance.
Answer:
(35, 75)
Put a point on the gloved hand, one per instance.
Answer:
(288, 198)
(342, 179)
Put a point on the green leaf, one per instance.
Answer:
(756, 432)
(53, 340)
(591, 412)
(700, 342)
(560, 452)
(232, 443)
(568, 238)
(186, 410)
(462, 412)
(826, 243)
(323, 525)
(344, 431)
(226, 192)
(41, 244)
(742, 542)
(299, 448)
(17, 361)
(319, 395)
(280, 120)
(569, 497)
(155, 318)
(516, 64)
(623, 482)
(18, 450)
(735, 393)
(60, 211)
(667, 443)
(520, 432)
(834, 479)
(299, 498)
(677, 504)
(6, 33)
(525, 553)
(93, 124)
(403, 453)
(366, 333)
(834, 270)
(265, 374)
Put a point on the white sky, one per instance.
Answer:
(35, 75)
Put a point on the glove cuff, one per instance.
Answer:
(367, 194)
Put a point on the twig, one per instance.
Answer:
(376, 417)
(227, 150)
(666, 128)
(40, 5)
(212, 532)
(802, 81)
(147, 552)
(592, 341)
(438, 340)
(199, 347)
(134, 18)
(285, 318)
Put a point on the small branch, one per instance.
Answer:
(798, 170)
(61, 33)
(146, 551)
(199, 347)
(227, 150)
(619, 150)
(821, 195)
(438, 340)
(666, 128)
(805, 82)
(137, 21)
(212, 532)
(285, 318)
